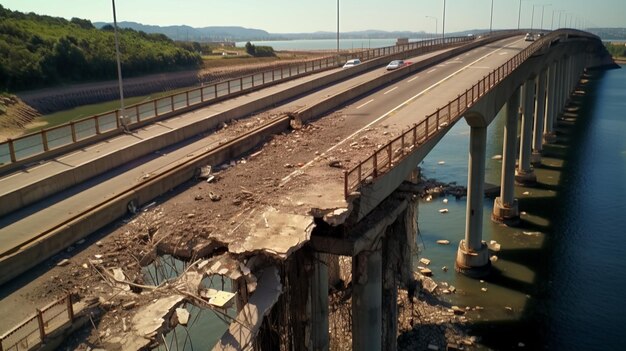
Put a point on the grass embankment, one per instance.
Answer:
(618, 51)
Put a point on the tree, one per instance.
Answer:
(250, 49)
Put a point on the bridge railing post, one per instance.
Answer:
(375, 161)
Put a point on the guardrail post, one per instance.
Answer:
(156, 110)
(375, 162)
(273, 75)
(70, 308)
(117, 118)
(42, 330)
(202, 91)
(426, 131)
(73, 129)
(228, 85)
(215, 88)
(137, 111)
(345, 186)
(414, 135)
(402, 148)
(389, 154)
(11, 150)
(172, 102)
(97, 118)
(44, 141)
(449, 113)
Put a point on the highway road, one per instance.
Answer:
(398, 105)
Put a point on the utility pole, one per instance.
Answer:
(122, 118)
(443, 26)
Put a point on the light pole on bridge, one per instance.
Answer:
(121, 117)
(337, 29)
(532, 19)
(519, 14)
(435, 18)
(443, 26)
(491, 19)
(543, 7)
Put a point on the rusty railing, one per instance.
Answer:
(33, 330)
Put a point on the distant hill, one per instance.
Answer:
(204, 34)
(38, 51)
(212, 34)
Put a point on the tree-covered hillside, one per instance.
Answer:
(38, 51)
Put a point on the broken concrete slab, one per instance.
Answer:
(276, 233)
(242, 332)
(150, 321)
(182, 316)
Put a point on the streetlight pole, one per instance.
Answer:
(491, 20)
(543, 7)
(119, 71)
(519, 14)
(443, 26)
(552, 21)
(435, 18)
(560, 13)
(532, 19)
(337, 29)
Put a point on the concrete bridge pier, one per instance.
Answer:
(319, 303)
(524, 174)
(540, 114)
(549, 136)
(505, 207)
(367, 300)
(472, 256)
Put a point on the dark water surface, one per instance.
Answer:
(560, 279)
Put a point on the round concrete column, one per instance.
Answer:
(540, 115)
(524, 173)
(472, 257)
(549, 136)
(505, 208)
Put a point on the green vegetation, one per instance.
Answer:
(38, 51)
(259, 51)
(616, 49)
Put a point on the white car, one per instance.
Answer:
(395, 64)
(529, 37)
(352, 63)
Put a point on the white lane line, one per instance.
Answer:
(409, 100)
(390, 90)
(365, 104)
(412, 79)
(432, 70)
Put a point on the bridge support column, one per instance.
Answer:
(367, 301)
(319, 303)
(549, 136)
(524, 174)
(540, 115)
(472, 257)
(505, 208)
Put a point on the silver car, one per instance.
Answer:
(395, 64)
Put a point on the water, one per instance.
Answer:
(559, 278)
(325, 44)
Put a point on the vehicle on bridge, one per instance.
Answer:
(529, 37)
(352, 63)
(395, 64)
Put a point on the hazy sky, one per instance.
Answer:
(289, 16)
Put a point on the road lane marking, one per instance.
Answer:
(409, 100)
(390, 90)
(365, 104)
(412, 79)
(432, 70)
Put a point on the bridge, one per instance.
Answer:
(306, 165)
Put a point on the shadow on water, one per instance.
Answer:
(530, 330)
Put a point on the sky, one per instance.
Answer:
(297, 16)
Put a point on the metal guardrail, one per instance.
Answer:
(394, 151)
(33, 330)
(30, 145)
